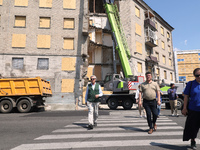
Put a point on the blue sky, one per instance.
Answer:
(184, 17)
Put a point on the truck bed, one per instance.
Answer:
(25, 86)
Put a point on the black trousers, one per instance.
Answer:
(192, 125)
(151, 107)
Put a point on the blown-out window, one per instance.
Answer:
(43, 64)
(17, 63)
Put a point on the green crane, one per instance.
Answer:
(118, 36)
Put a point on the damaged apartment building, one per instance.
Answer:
(66, 41)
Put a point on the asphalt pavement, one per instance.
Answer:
(117, 130)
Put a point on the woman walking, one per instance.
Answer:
(191, 109)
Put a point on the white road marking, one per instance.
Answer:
(116, 129)
(101, 144)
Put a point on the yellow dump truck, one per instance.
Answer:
(23, 93)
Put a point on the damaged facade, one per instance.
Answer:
(66, 41)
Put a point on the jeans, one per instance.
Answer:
(93, 108)
(151, 107)
(158, 108)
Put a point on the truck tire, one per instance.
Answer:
(24, 106)
(179, 104)
(127, 104)
(113, 103)
(6, 106)
(167, 106)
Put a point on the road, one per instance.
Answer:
(116, 130)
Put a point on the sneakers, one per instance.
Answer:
(172, 115)
(95, 124)
(177, 115)
(150, 131)
(193, 145)
(90, 126)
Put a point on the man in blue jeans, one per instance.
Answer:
(149, 89)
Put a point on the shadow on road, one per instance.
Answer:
(170, 147)
(132, 128)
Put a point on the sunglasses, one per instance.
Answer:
(93, 79)
(197, 75)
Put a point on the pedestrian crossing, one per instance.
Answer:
(113, 131)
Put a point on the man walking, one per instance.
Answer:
(93, 92)
(148, 91)
(173, 99)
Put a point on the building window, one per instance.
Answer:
(138, 47)
(21, 2)
(1, 2)
(163, 45)
(157, 56)
(162, 30)
(17, 63)
(171, 76)
(170, 62)
(45, 3)
(164, 59)
(138, 29)
(168, 35)
(182, 78)
(68, 64)
(148, 52)
(179, 60)
(69, 4)
(43, 41)
(45, 22)
(68, 43)
(139, 67)
(20, 21)
(157, 72)
(137, 12)
(149, 68)
(156, 24)
(68, 23)
(19, 40)
(169, 49)
(165, 74)
(43, 64)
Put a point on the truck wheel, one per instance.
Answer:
(179, 104)
(24, 106)
(113, 103)
(167, 106)
(127, 104)
(6, 106)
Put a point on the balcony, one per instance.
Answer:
(150, 37)
(151, 59)
(150, 23)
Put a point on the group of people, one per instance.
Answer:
(150, 93)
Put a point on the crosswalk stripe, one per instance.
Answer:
(100, 144)
(116, 129)
(105, 135)
(121, 124)
(123, 119)
(103, 121)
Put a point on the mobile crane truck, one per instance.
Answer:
(123, 86)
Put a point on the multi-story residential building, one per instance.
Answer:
(148, 35)
(65, 41)
(186, 61)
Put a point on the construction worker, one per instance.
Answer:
(93, 92)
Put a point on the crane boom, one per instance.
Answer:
(119, 37)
